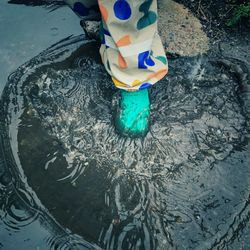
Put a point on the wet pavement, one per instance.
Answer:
(66, 175)
(26, 31)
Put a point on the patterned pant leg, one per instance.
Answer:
(85, 9)
(131, 48)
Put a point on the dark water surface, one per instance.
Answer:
(66, 175)
(184, 186)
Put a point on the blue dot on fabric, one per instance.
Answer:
(122, 10)
(145, 86)
(80, 9)
(145, 60)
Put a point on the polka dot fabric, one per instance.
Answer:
(131, 49)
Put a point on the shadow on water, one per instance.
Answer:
(183, 186)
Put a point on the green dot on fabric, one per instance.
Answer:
(163, 59)
(147, 20)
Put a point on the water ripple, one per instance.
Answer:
(169, 189)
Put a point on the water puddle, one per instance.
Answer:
(183, 186)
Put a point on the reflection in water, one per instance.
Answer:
(181, 186)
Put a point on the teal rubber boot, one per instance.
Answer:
(133, 116)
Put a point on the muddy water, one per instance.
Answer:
(183, 186)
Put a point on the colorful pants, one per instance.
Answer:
(131, 48)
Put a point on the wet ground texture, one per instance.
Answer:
(186, 185)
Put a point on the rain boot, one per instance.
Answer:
(133, 115)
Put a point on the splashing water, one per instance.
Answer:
(178, 187)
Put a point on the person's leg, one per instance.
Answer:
(132, 51)
(133, 55)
